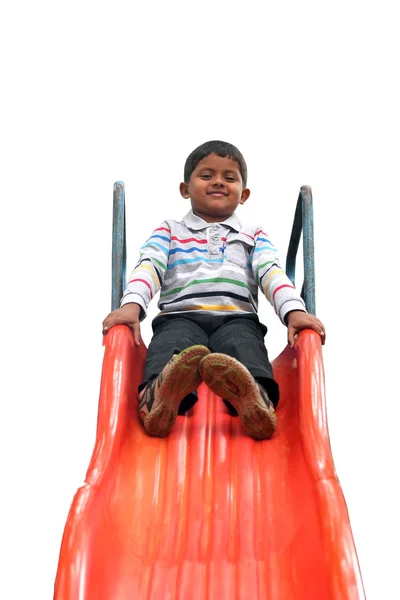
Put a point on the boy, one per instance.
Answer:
(208, 269)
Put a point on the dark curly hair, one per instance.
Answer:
(219, 148)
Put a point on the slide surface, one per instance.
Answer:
(207, 513)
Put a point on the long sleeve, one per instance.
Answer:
(271, 278)
(148, 275)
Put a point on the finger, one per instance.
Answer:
(291, 333)
(108, 323)
(319, 328)
(136, 333)
(320, 323)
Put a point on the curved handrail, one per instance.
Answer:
(118, 245)
(303, 223)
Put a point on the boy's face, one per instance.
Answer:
(215, 188)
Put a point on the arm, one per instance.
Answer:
(271, 278)
(145, 281)
(147, 277)
(279, 290)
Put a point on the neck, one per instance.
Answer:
(211, 218)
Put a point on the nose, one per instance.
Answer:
(218, 180)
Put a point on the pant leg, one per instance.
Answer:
(244, 340)
(171, 336)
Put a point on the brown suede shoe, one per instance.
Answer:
(231, 380)
(160, 402)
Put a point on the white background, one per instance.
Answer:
(94, 92)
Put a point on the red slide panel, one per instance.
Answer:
(208, 513)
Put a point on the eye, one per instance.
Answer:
(230, 178)
(205, 176)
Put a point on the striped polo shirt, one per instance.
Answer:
(213, 268)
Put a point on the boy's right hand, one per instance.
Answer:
(126, 315)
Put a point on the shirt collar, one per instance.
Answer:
(192, 221)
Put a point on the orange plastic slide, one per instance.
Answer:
(208, 513)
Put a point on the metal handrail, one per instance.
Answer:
(303, 223)
(118, 245)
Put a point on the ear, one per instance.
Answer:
(245, 195)
(184, 190)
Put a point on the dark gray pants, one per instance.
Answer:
(239, 336)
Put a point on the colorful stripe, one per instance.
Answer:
(142, 281)
(210, 280)
(160, 264)
(157, 272)
(175, 239)
(273, 264)
(161, 237)
(188, 250)
(261, 248)
(194, 260)
(260, 239)
(271, 274)
(155, 245)
(270, 262)
(215, 307)
(151, 271)
(216, 294)
(285, 285)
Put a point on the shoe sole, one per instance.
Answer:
(231, 380)
(179, 379)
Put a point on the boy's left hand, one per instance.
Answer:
(298, 320)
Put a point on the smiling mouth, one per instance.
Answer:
(218, 194)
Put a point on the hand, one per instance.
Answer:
(126, 315)
(298, 320)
